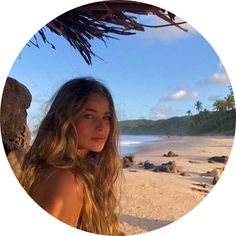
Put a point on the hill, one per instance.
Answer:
(204, 123)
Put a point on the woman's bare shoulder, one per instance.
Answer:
(62, 180)
(61, 195)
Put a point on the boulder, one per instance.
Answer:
(15, 159)
(128, 161)
(16, 135)
(221, 159)
(148, 165)
(170, 154)
(169, 167)
(215, 173)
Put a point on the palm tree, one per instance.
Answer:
(198, 105)
(229, 102)
(219, 105)
(102, 20)
(189, 113)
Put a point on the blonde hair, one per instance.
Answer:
(56, 146)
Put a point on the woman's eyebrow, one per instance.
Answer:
(96, 111)
(91, 109)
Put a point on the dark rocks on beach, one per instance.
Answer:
(171, 154)
(148, 165)
(221, 159)
(128, 161)
(169, 167)
(16, 135)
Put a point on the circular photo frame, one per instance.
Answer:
(164, 86)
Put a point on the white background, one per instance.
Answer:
(20, 19)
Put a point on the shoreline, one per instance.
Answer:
(151, 200)
(163, 138)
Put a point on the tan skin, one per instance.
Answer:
(61, 194)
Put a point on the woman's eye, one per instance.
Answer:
(107, 118)
(88, 116)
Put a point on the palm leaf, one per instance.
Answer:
(102, 20)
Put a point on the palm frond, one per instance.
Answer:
(103, 20)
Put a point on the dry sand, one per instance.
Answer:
(151, 200)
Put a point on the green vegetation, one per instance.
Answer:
(204, 123)
(218, 122)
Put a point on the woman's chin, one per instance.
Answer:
(98, 149)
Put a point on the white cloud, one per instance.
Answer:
(179, 95)
(218, 78)
(176, 96)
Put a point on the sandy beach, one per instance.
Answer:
(151, 200)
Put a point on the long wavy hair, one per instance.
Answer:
(56, 146)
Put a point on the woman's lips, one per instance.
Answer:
(99, 139)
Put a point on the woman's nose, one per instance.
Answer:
(100, 124)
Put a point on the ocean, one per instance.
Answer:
(129, 144)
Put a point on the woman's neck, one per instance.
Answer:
(82, 153)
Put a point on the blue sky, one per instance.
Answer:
(154, 74)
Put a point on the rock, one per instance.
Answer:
(15, 100)
(148, 165)
(128, 161)
(215, 173)
(170, 154)
(221, 159)
(15, 132)
(169, 167)
(130, 158)
(126, 165)
(15, 159)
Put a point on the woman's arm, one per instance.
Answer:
(61, 195)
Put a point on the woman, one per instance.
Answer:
(72, 168)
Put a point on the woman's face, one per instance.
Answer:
(93, 125)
